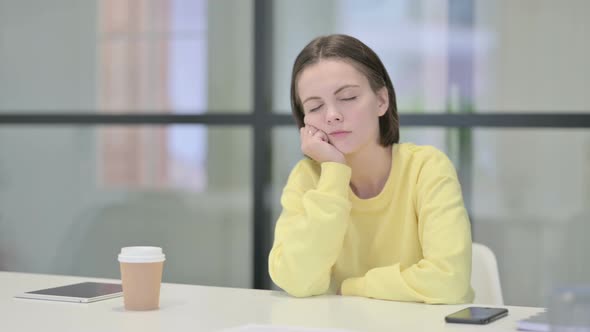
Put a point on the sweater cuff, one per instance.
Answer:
(354, 287)
(335, 177)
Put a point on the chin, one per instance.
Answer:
(350, 148)
(346, 149)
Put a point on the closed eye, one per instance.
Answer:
(315, 108)
(348, 99)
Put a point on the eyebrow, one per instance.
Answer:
(335, 92)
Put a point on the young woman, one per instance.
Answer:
(364, 215)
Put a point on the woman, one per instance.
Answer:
(364, 215)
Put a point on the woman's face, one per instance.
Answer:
(337, 99)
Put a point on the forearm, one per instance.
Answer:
(309, 234)
(301, 263)
(426, 281)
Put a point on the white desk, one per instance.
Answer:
(200, 308)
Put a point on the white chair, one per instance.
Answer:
(485, 278)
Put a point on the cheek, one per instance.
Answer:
(372, 110)
(373, 107)
(313, 119)
(366, 117)
(362, 112)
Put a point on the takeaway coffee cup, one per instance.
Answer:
(141, 276)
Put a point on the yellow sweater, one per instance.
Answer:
(412, 242)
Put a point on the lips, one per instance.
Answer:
(339, 133)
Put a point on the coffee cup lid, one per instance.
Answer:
(141, 255)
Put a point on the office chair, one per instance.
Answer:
(485, 278)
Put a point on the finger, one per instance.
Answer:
(306, 134)
(324, 137)
(303, 130)
(317, 131)
(318, 134)
(305, 120)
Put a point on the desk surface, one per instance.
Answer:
(202, 308)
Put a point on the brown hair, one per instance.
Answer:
(364, 59)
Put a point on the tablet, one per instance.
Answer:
(84, 292)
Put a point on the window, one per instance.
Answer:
(153, 59)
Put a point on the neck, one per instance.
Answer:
(370, 169)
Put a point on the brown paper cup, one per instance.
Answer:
(141, 276)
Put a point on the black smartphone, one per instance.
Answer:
(476, 315)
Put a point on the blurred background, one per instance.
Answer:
(166, 122)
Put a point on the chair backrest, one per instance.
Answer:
(485, 278)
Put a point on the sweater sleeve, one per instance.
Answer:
(310, 230)
(443, 274)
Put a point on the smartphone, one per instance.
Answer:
(476, 315)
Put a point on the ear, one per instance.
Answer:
(383, 100)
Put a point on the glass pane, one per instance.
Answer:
(531, 206)
(454, 56)
(532, 56)
(171, 56)
(286, 152)
(48, 53)
(72, 197)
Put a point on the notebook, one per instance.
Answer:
(84, 292)
(538, 322)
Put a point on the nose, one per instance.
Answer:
(333, 116)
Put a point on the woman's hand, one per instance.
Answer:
(315, 144)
